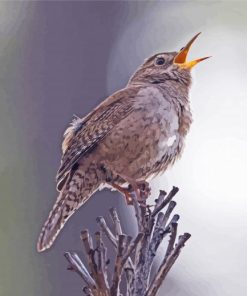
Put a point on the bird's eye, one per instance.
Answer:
(160, 61)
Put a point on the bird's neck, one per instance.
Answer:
(177, 92)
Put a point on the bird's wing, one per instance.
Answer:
(85, 134)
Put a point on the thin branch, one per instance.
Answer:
(88, 246)
(101, 266)
(166, 266)
(101, 222)
(160, 199)
(153, 226)
(132, 247)
(116, 221)
(174, 219)
(168, 212)
(173, 234)
(139, 212)
(122, 246)
(130, 276)
(106, 230)
(77, 266)
(159, 232)
(169, 197)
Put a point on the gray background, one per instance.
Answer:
(62, 58)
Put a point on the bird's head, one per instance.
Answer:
(164, 67)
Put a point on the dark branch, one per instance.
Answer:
(152, 226)
(169, 197)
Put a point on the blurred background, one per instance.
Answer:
(63, 58)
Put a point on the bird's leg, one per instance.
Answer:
(144, 188)
(108, 175)
(125, 191)
(133, 186)
(141, 188)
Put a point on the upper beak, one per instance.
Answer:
(180, 58)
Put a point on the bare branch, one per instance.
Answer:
(166, 266)
(77, 266)
(160, 199)
(116, 221)
(130, 276)
(129, 264)
(173, 229)
(101, 266)
(139, 212)
(88, 247)
(169, 197)
(153, 226)
(132, 247)
(174, 219)
(122, 246)
(168, 212)
(101, 222)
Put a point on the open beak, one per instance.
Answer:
(180, 58)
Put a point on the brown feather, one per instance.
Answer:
(94, 128)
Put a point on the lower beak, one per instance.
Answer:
(180, 58)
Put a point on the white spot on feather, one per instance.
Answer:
(171, 140)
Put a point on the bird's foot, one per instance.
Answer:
(125, 191)
(141, 189)
(145, 189)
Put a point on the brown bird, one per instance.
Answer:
(133, 135)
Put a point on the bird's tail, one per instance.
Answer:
(75, 193)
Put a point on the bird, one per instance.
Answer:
(132, 136)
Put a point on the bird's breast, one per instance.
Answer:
(163, 136)
(152, 133)
(148, 140)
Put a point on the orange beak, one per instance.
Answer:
(180, 58)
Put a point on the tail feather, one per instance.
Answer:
(53, 225)
(75, 193)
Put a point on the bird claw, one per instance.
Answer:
(145, 190)
(142, 190)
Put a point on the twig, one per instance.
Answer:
(173, 234)
(122, 246)
(165, 201)
(101, 265)
(101, 222)
(130, 276)
(88, 246)
(166, 266)
(116, 221)
(103, 226)
(132, 247)
(160, 199)
(139, 212)
(168, 212)
(153, 226)
(77, 266)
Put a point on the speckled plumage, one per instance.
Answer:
(136, 132)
